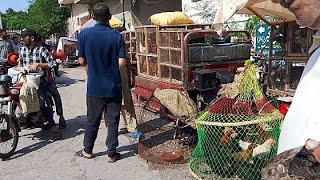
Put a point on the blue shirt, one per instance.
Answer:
(102, 47)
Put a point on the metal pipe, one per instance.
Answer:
(123, 15)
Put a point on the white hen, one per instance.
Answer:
(265, 147)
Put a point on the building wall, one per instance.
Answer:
(116, 6)
(79, 15)
(143, 9)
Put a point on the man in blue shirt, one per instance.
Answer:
(102, 50)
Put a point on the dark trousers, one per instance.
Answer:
(53, 90)
(56, 69)
(44, 108)
(95, 108)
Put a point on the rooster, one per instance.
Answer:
(244, 156)
(264, 133)
(227, 136)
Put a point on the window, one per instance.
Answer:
(84, 19)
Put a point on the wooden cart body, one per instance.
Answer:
(163, 58)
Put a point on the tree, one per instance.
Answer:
(48, 17)
(14, 20)
(44, 16)
(252, 23)
(202, 11)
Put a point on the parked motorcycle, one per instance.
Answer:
(11, 118)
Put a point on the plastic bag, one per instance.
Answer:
(29, 99)
(34, 79)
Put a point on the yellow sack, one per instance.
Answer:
(115, 23)
(29, 100)
(170, 18)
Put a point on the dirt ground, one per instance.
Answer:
(39, 158)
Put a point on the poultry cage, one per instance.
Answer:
(185, 59)
(284, 61)
(238, 134)
(130, 42)
(286, 66)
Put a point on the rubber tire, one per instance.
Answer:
(15, 140)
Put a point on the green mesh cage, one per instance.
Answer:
(236, 135)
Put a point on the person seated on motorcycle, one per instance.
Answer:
(37, 57)
(51, 49)
(53, 90)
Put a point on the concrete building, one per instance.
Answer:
(137, 12)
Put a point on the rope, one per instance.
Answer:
(264, 120)
(269, 102)
(194, 174)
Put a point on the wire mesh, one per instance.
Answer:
(151, 33)
(164, 39)
(161, 136)
(142, 64)
(140, 36)
(175, 39)
(164, 56)
(295, 70)
(170, 45)
(236, 136)
(153, 66)
(176, 74)
(165, 72)
(176, 57)
(133, 42)
(130, 41)
(126, 36)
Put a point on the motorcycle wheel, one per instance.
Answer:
(9, 136)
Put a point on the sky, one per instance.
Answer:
(16, 5)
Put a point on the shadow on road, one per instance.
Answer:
(64, 80)
(75, 127)
(130, 151)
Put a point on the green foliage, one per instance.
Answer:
(253, 21)
(14, 20)
(44, 16)
(47, 17)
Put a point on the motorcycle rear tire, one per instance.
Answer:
(15, 129)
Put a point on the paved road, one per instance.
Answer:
(39, 158)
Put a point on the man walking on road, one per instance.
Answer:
(103, 50)
(5, 45)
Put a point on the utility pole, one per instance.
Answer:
(1, 27)
(123, 14)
